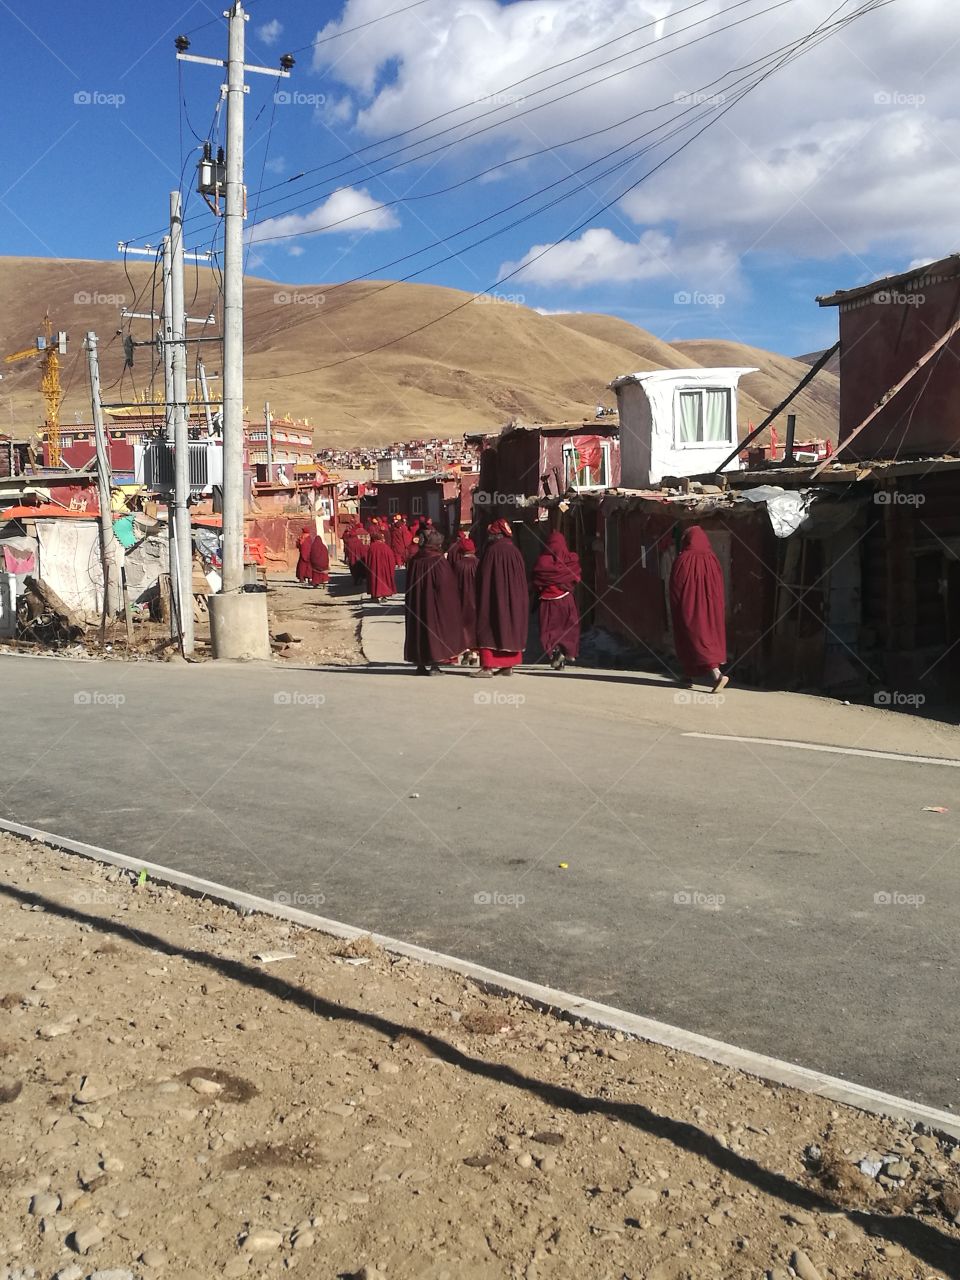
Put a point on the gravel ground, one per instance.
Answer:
(175, 1102)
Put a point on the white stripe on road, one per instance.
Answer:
(550, 1000)
(819, 746)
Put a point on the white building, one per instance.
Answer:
(400, 468)
(676, 422)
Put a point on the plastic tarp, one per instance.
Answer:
(70, 563)
(125, 531)
(788, 509)
(19, 555)
(145, 564)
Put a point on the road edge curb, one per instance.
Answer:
(770, 1070)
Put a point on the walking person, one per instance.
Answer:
(555, 574)
(400, 539)
(465, 571)
(304, 543)
(503, 603)
(381, 564)
(319, 562)
(455, 550)
(698, 609)
(433, 627)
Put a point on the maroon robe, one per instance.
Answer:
(698, 605)
(351, 545)
(434, 627)
(555, 574)
(400, 539)
(381, 563)
(304, 543)
(465, 571)
(319, 562)
(503, 602)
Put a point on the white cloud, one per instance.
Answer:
(601, 257)
(853, 148)
(276, 164)
(346, 212)
(270, 32)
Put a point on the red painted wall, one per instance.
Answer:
(634, 604)
(879, 343)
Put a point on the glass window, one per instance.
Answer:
(704, 416)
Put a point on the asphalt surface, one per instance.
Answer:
(558, 827)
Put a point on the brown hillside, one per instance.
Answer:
(486, 363)
(832, 365)
(654, 353)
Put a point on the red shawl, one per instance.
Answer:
(557, 570)
(697, 604)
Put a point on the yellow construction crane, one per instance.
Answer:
(49, 348)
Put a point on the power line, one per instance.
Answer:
(518, 115)
(429, 195)
(674, 128)
(696, 4)
(561, 97)
(869, 7)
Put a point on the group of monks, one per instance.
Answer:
(465, 608)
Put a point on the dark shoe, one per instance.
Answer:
(421, 671)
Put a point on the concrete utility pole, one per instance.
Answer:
(103, 486)
(183, 537)
(169, 396)
(233, 311)
(238, 621)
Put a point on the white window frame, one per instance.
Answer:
(393, 506)
(570, 480)
(726, 443)
(416, 505)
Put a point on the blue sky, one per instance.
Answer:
(839, 167)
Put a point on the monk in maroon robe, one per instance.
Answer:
(351, 545)
(319, 562)
(555, 574)
(381, 564)
(465, 571)
(698, 609)
(503, 608)
(304, 543)
(434, 627)
(396, 541)
(455, 550)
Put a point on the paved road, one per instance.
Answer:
(729, 888)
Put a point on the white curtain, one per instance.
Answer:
(690, 428)
(716, 416)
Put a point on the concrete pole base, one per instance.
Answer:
(238, 625)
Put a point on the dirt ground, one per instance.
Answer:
(174, 1102)
(325, 624)
(322, 627)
